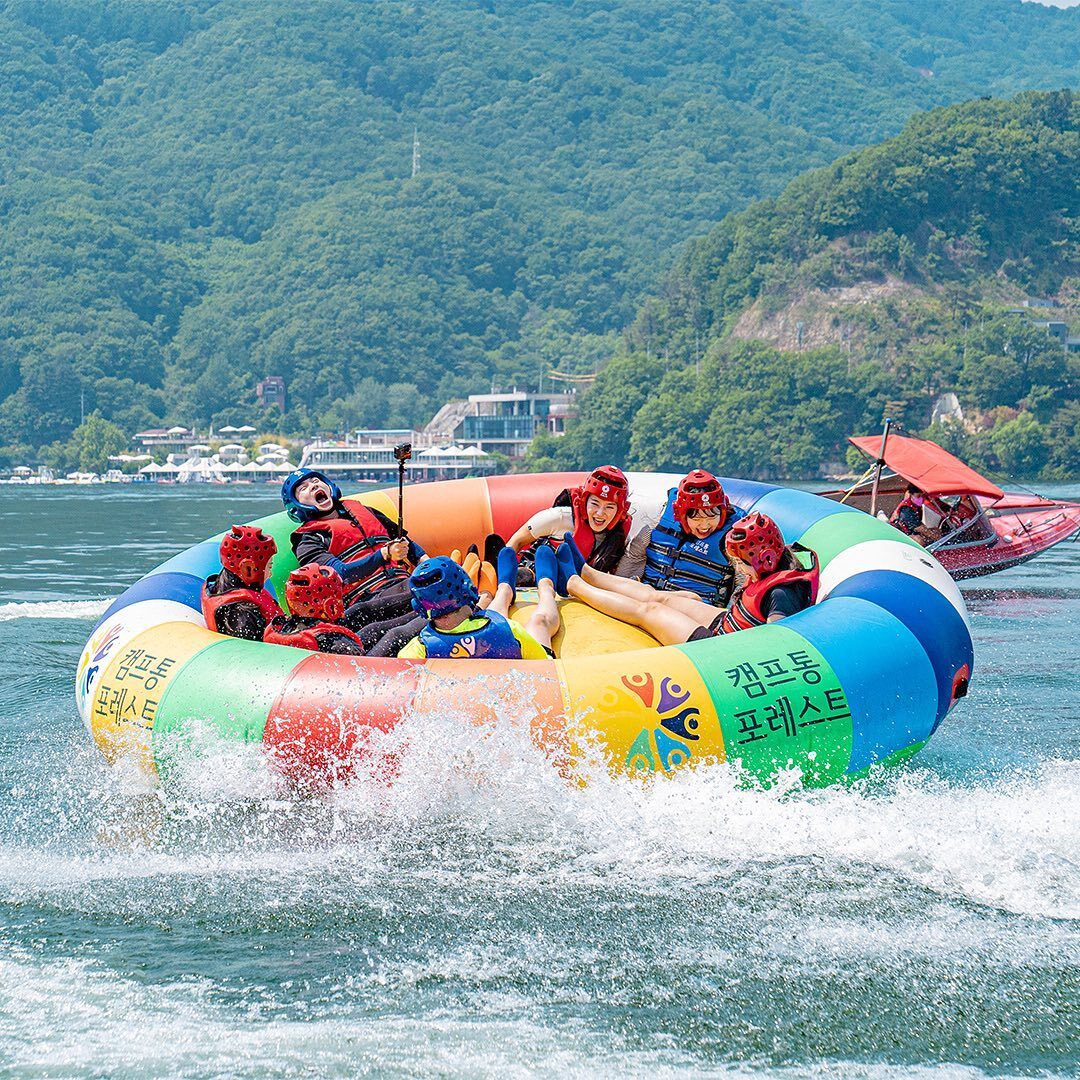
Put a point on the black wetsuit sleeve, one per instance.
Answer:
(338, 643)
(311, 546)
(785, 600)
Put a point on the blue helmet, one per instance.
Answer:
(440, 586)
(297, 510)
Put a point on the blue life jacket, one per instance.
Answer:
(493, 641)
(676, 560)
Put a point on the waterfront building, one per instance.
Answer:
(506, 423)
(369, 455)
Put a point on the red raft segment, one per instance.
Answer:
(327, 719)
(514, 502)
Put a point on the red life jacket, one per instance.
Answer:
(584, 537)
(258, 598)
(350, 540)
(748, 604)
(304, 637)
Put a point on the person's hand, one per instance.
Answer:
(397, 550)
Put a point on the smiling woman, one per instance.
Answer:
(864, 676)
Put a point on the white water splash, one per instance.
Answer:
(54, 609)
(1008, 843)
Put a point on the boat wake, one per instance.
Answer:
(54, 609)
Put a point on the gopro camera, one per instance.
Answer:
(403, 452)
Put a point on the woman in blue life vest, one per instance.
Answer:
(355, 541)
(458, 628)
(684, 551)
(776, 583)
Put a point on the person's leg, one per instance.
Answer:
(371, 633)
(686, 602)
(397, 637)
(543, 623)
(390, 601)
(667, 625)
(505, 592)
(503, 598)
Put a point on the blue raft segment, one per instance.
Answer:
(928, 615)
(797, 511)
(183, 588)
(202, 560)
(179, 578)
(886, 713)
(744, 493)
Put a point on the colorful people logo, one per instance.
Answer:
(655, 747)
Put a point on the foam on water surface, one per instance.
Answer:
(53, 609)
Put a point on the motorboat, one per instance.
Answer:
(972, 526)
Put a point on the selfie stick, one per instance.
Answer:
(402, 452)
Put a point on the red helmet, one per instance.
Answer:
(700, 490)
(246, 551)
(608, 482)
(757, 540)
(315, 592)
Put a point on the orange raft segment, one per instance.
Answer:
(456, 513)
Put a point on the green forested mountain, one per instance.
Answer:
(199, 193)
(886, 277)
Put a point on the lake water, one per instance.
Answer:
(481, 918)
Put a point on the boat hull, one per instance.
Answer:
(1024, 527)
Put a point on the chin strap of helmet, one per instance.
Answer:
(298, 511)
(608, 483)
(700, 490)
(756, 540)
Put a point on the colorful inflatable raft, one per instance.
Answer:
(864, 677)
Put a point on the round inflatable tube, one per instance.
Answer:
(863, 677)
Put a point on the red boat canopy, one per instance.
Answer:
(927, 466)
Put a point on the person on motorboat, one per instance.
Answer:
(356, 542)
(776, 583)
(315, 597)
(236, 601)
(921, 516)
(596, 513)
(684, 550)
(459, 628)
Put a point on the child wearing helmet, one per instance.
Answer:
(235, 601)
(355, 541)
(315, 597)
(684, 550)
(596, 513)
(775, 584)
(458, 628)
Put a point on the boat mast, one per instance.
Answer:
(880, 463)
